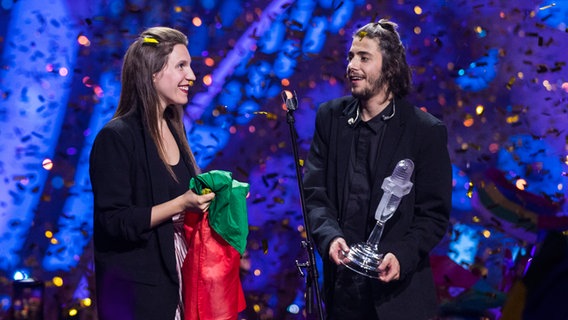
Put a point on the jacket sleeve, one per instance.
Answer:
(112, 164)
(321, 212)
(432, 203)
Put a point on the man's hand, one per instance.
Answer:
(338, 250)
(389, 269)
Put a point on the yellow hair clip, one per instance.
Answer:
(362, 35)
(149, 39)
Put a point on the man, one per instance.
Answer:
(357, 143)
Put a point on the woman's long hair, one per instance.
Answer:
(396, 73)
(145, 57)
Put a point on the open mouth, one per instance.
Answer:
(354, 78)
(185, 89)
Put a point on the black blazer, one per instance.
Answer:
(422, 217)
(135, 265)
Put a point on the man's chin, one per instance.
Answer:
(357, 94)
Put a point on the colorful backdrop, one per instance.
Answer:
(494, 71)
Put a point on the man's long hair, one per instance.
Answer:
(395, 72)
(146, 56)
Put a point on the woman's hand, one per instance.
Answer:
(189, 201)
(196, 203)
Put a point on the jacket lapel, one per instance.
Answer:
(344, 141)
(159, 184)
(158, 173)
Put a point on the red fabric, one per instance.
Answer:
(211, 284)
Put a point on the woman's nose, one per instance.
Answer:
(190, 75)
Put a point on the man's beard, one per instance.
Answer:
(372, 90)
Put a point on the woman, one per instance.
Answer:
(140, 168)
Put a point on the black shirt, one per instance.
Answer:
(183, 176)
(358, 217)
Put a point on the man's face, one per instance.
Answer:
(364, 68)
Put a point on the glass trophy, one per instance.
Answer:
(364, 258)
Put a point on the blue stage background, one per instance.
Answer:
(494, 71)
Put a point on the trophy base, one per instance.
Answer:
(364, 260)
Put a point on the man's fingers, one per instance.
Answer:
(337, 250)
(389, 269)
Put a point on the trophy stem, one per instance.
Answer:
(375, 236)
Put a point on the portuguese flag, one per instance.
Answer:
(216, 240)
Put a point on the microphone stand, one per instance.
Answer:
(312, 286)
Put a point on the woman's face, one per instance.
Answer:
(172, 82)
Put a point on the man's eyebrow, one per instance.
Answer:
(360, 53)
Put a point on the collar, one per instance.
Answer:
(353, 113)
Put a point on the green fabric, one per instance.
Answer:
(228, 210)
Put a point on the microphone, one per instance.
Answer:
(290, 100)
(385, 118)
(351, 121)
